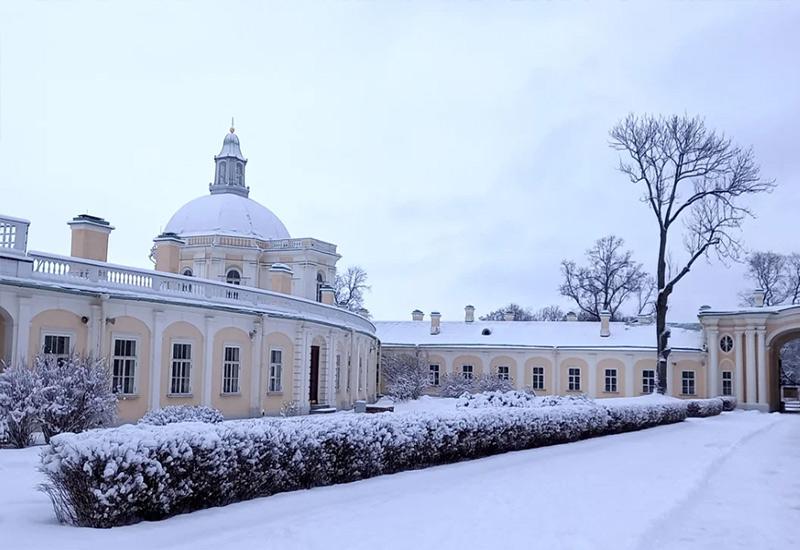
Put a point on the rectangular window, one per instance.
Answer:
(574, 379)
(230, 370)
(433, 375)
(181, 373)
(611, 381)
(727, 382)
(123, 366)
(687, 382)
(466, 372)
(538, 378)
(349, 367)
(361, 375)
(57, 345)
(275, 370)
(648, 381)
(503, 373)
(338, 371)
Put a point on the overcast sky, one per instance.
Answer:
(457, 150)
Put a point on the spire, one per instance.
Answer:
(229, 167)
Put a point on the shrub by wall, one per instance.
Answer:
(105, 478)
(182, 413)
(701, 408)
(728, 403)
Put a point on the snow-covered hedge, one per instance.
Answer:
(128, 474)
(182, 413)
(700, 408)
(511, 398)
(454, 384)
(728, 403)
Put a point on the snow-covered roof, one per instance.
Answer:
(535, 334)
(749, 310)
(226, 214)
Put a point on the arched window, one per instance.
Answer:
(187, 272)
(221, 177)
(320, 282)
(239, 175)
(233, 277)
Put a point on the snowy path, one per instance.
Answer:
(730, 479)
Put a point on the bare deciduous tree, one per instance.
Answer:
(793, 278)
(768, 270)
(608, 279)
(520, 313)
(645, 297)
(349, 288)
(549, 313)
(405, 374)
(691, 175)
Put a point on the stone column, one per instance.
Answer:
(255, 368)
(738, 377)
(592, 376)
(208, 367)
(22, 328)
(712, 382)
(157, 342)
(330, 367)
(630, 390)
(555, 382)
(94, 329)
(750, 365)
(519, 376)
(671, 390)
(761, 348)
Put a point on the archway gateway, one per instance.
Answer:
(784, 358)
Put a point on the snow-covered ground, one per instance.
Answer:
(723, 482)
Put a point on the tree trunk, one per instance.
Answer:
(662, 299)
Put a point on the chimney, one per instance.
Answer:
(417, 315)
(605, 321)
(436, 317)
(469, 314)
(280, 278)
(167, 252)
(328, 295)
(90, 237)
(508, 316)
(571, 316)
(758, 297)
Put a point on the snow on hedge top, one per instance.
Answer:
(547, 334)
(226, 214)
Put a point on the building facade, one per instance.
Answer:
(734, 353)
(237, 314)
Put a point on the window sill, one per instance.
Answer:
(126, 396)
(180, 395)
(688, 395)
(231, 394)
(610, 392)
(274, 393)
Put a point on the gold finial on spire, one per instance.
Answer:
(232, 128)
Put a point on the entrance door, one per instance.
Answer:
(313, 388)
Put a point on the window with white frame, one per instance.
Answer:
(433, 375)
(338, 371)
(123, 366)
(687, 382)
(611, 380)
(726, 343)
(727, 382)
(230, 369)
(574, 379)
(181, 371)
(503, 372)
(275, 370)
(648, 381)
(466, 372)
(538, 378)
(57, 345)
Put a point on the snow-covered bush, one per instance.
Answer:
(560, 400)
(455, 384)
(128, 474)
(511, 398)
(640, 415)
(700, 408)
(405, 375)
(728, 403)
(18, 408)
(182, 413)
(74, 394)
(290, 408)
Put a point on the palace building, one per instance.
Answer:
(237, 314)
(734, 353)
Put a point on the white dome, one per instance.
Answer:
(226, 214)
